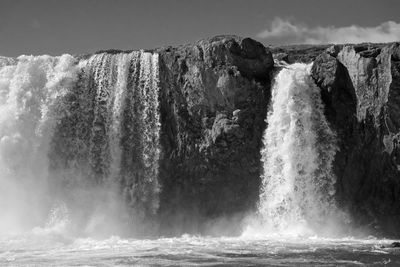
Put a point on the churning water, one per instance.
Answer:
(45, 249)
(77, 134)
(297, 194)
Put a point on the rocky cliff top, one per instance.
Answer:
(249, 56)
(307, 53)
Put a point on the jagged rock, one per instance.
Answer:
(282, 57)
(213, 105)
(298, 53)
(361, 91)
(334, 50)
(395, 245)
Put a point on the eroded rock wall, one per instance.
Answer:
(361, 90)
(214, 100)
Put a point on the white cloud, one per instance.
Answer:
(285, 31)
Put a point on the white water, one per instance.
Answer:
(29, 90)
(297, 194)
(50, 249)
(65, 149)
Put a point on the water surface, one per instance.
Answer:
(39, 249)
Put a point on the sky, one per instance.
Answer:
(83, 26)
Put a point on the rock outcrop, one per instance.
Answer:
(214, 101)
(361, 89)
(297, 53)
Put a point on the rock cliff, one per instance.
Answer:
(361, 89)
(215, 97)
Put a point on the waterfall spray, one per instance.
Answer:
(30, 89)
(79, 138)
(297, 194)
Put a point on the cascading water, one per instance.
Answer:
(29, 90)
(80, 137)
(80, 133)
(297, 194)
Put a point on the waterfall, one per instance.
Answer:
(76, 129)
(30, 88)
(297, 194)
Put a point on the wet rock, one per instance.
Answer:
(214, 100)
(360, 86)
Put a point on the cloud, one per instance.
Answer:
(285, 31)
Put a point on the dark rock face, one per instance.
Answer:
(395, 245)
(361, 90)
(214, 101)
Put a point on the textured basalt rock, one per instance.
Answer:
(361, 89)
(213, 106)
